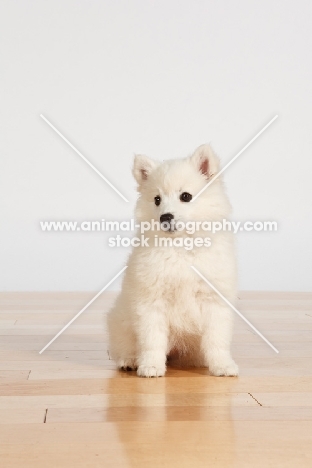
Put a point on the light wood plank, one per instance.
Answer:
(51, 330)
(174, 384)
(179, 413)
(48, 355)
(126, 399)
(13, 376)
(7, 322)
(56, 346)
(179, 444)
(19, 340)
(65, 374)
(21, 416)
(42, 365)
(284, 398)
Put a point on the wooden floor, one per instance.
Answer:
(69, 407)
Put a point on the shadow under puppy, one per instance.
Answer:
(164, 308)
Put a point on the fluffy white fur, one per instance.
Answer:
(165, 310)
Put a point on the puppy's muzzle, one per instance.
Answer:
(166, 220)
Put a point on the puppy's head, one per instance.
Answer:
(167, 189)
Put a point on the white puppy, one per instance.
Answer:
(165, 310)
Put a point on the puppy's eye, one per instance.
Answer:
(185, 197)
(157, 200)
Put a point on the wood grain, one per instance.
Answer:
(70, 406)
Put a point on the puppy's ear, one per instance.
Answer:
(205, 160)
(142, 167)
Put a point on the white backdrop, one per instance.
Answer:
(161, 78)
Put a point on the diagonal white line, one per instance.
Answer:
(82, 310)
(235, 310)
(84, 158)
(233, 159)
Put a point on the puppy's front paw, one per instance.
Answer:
(151, 371)
(127, 364)
(227, 368)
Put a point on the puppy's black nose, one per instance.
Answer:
(167, 217)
